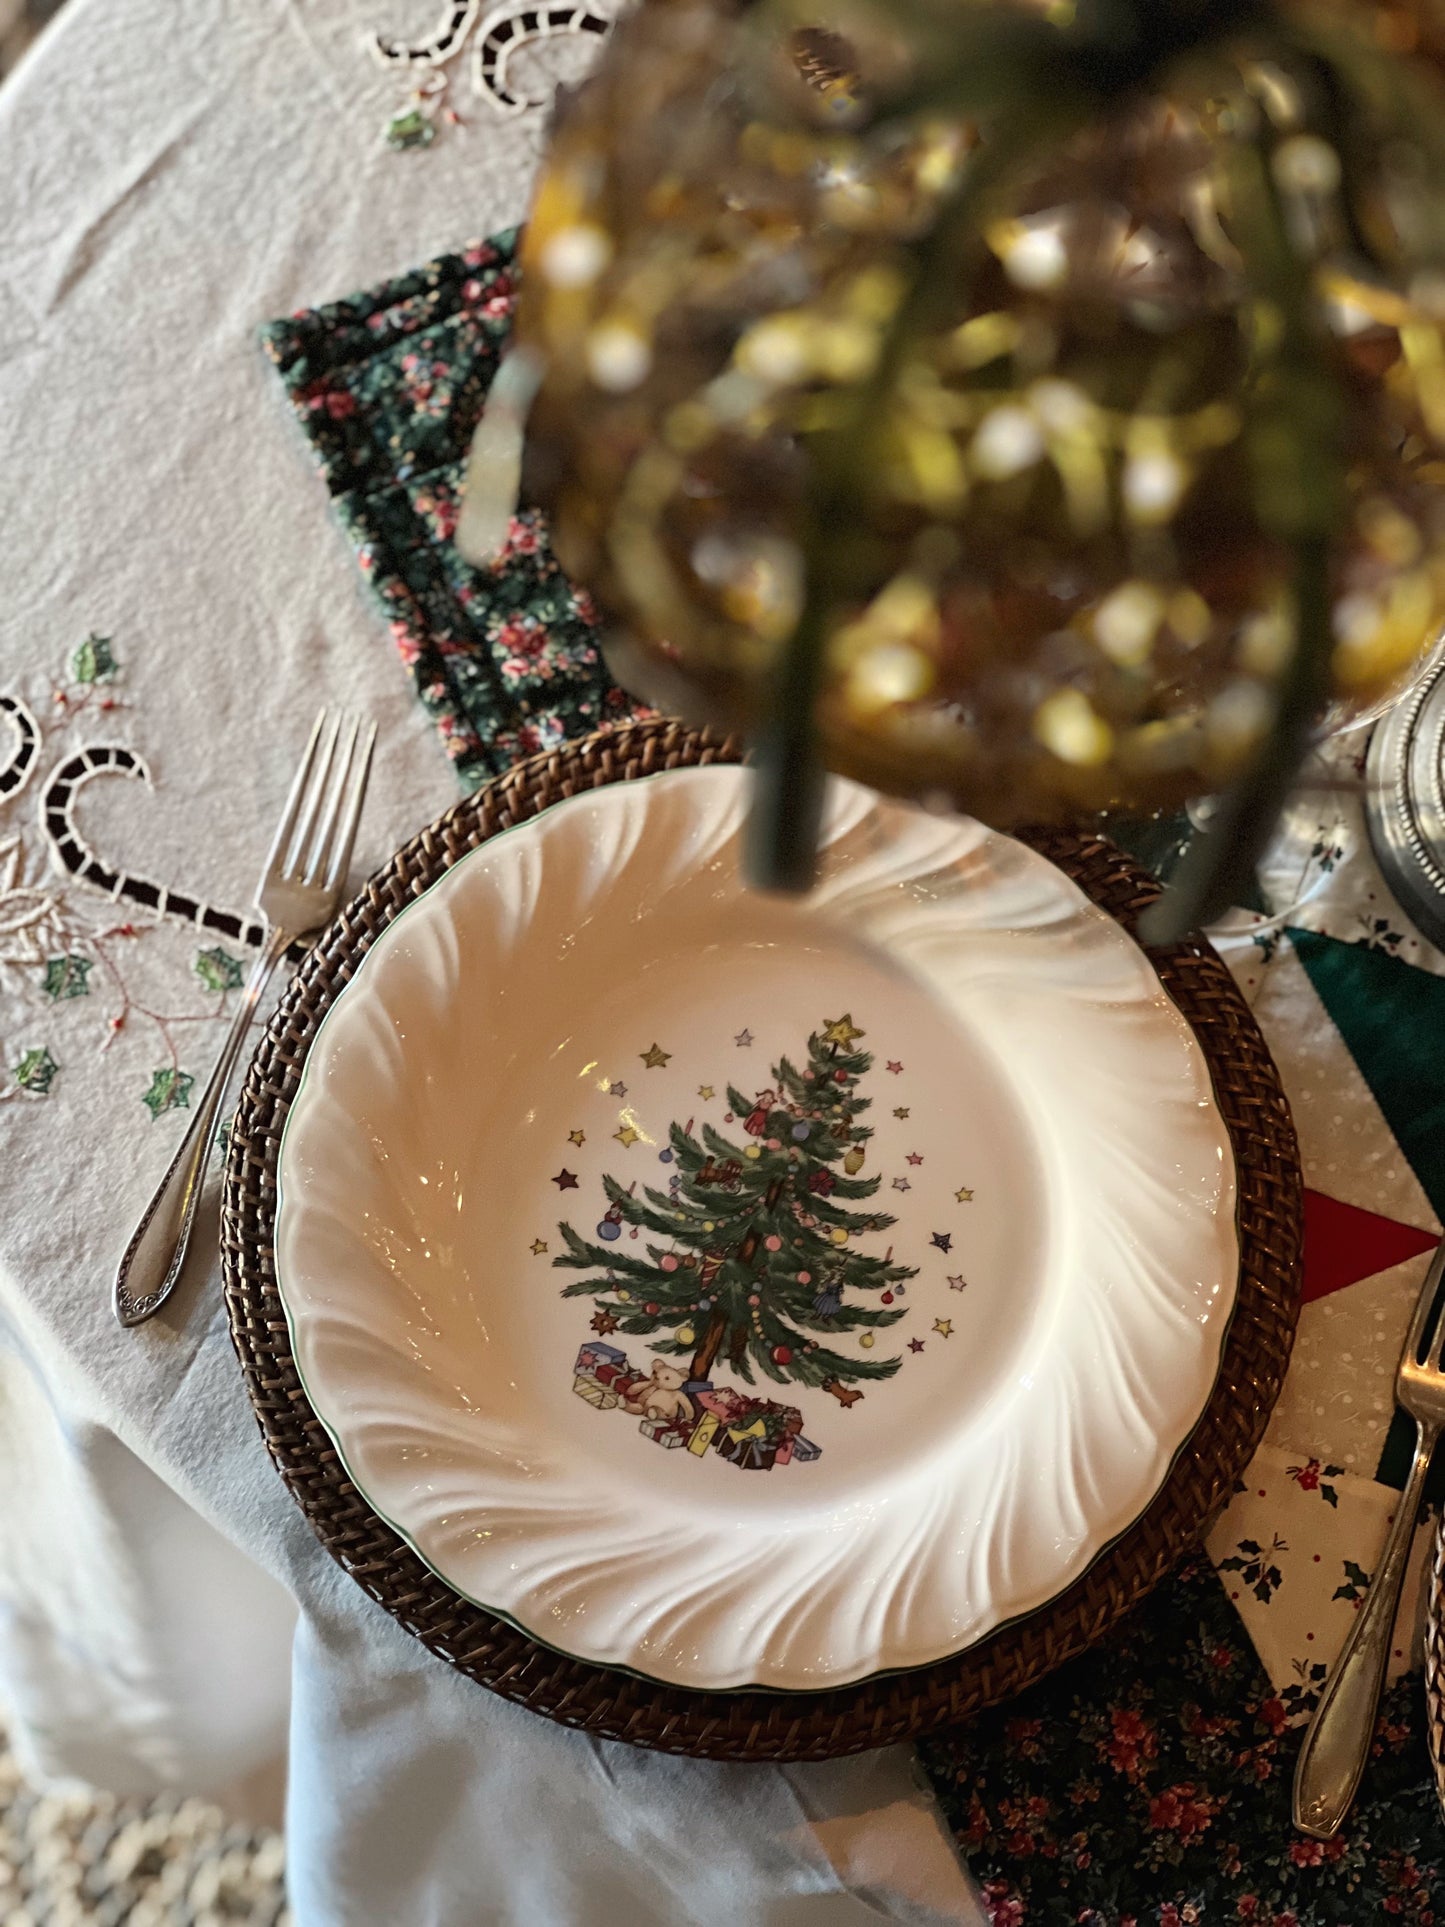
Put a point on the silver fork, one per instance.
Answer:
(300, 888)
(1332, 1759)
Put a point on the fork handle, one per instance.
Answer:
(147, 1274)
(1337, 1745)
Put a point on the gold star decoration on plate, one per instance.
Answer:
(944, 1327)
(576, 1137)
(655, 1058)
(902, 1111)
(539, 1245)
(626, 1136)
(963, 1194)
(841, 1030)
(704, 1091)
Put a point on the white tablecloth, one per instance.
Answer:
(175, 176)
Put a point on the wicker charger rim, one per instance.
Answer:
(1435, 1663)
(757, 1725)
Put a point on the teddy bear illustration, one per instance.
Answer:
(662, 1395)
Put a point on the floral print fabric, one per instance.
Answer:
(388, 387)
(1147, 1784)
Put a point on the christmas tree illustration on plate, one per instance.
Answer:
(754, 1266)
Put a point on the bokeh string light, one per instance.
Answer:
(1038, 407)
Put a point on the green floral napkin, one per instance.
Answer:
(388, 387)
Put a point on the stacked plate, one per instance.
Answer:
(754, 1296)
(1405, 801)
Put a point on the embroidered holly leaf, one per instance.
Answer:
(1329, 1495)
(66, 976)
(411, 128)
(36, 1071)
(94, 660)
(218, 970)
(170, 1091)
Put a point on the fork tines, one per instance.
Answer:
(325, 797)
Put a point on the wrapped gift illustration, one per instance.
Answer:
(594, 1356)
(669, 1433)
(597, 1367)
(761, 1436)
(726, 1405)
(594, 1393)
(754, 1434)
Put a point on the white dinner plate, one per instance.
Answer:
(900, 1221)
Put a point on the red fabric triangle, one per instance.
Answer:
(1344, 1244)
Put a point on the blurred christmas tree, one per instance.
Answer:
(758, 1246)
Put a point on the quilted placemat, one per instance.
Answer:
(1146, 1785)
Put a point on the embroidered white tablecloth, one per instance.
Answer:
(176, 603)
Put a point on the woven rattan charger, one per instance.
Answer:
(757, 1726)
